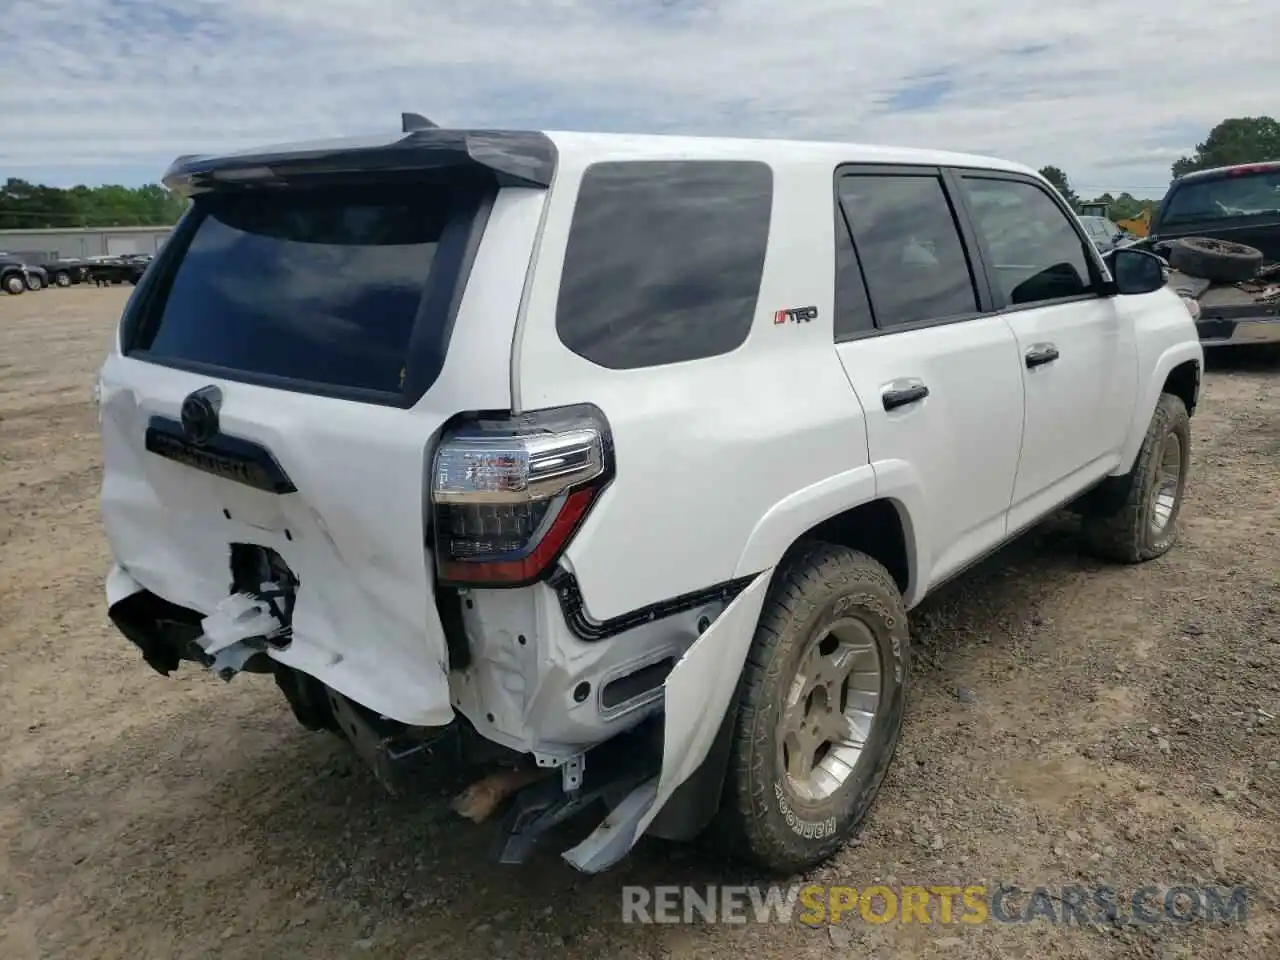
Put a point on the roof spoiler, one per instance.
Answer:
(410, 122)
(514, 157)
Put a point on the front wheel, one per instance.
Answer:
(14, 285)
(1137, 515)
(62, 279)
(820, 709)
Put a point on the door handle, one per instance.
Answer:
(1040, 354)
(900, 393)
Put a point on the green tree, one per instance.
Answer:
(30, 206)
(1125, 206)
(1235, 140)
(1060, 182)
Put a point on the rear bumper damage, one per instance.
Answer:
(661, 776)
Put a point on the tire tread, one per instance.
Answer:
(810, 570)
(1119, 535)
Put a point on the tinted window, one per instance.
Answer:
(1036, 252)
(853, 309)
(909, 247)
(1240, 195)
(664, 260)
(313, 286)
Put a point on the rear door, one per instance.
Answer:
(328, 329)
(1076, 348)
(936, 371)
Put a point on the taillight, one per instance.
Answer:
(508, 493)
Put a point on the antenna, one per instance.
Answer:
(410, 122)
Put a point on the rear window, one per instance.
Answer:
(1240, 195)
(320, 287)
(664, 260)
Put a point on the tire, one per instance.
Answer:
(1217, 260)
(1140, 519)
(34, 283)
(62, 278)
(787, 824)
(14, 284)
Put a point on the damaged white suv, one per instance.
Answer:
(619, 459)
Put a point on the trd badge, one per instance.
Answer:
(796, 315)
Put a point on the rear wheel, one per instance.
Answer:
(1136, 517)
(34, 282)
(62, 279)
(820, 709)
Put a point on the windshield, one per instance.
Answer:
(1231, 196)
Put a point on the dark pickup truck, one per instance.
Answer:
(1219, 230)
(125, 269)
(63, 272)
(43, 270)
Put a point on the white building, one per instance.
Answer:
(80, 242)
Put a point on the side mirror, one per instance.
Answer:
(1135, 271)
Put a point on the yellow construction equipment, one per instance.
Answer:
(1139, 226)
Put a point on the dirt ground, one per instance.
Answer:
(1071, 723)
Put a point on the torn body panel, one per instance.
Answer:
(697, 694)
(535, 687)
(364, 622)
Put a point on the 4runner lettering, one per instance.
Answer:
(493, 469)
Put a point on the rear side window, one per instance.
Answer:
(315, 286)
(909, 247)
(664, 260)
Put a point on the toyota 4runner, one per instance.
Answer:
(619, 459)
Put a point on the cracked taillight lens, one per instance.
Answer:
(507, 494)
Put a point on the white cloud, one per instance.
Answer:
(1110, 92)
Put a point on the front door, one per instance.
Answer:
(1076, 348)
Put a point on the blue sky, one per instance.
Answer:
(95, 91)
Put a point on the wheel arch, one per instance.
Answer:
(1177, 371)
(869, 508)
(879, 526)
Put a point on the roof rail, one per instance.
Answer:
(410, 122)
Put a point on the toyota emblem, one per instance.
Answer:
(200, 415)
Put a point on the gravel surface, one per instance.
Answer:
(1071, 723)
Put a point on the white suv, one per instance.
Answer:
(620, 458)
